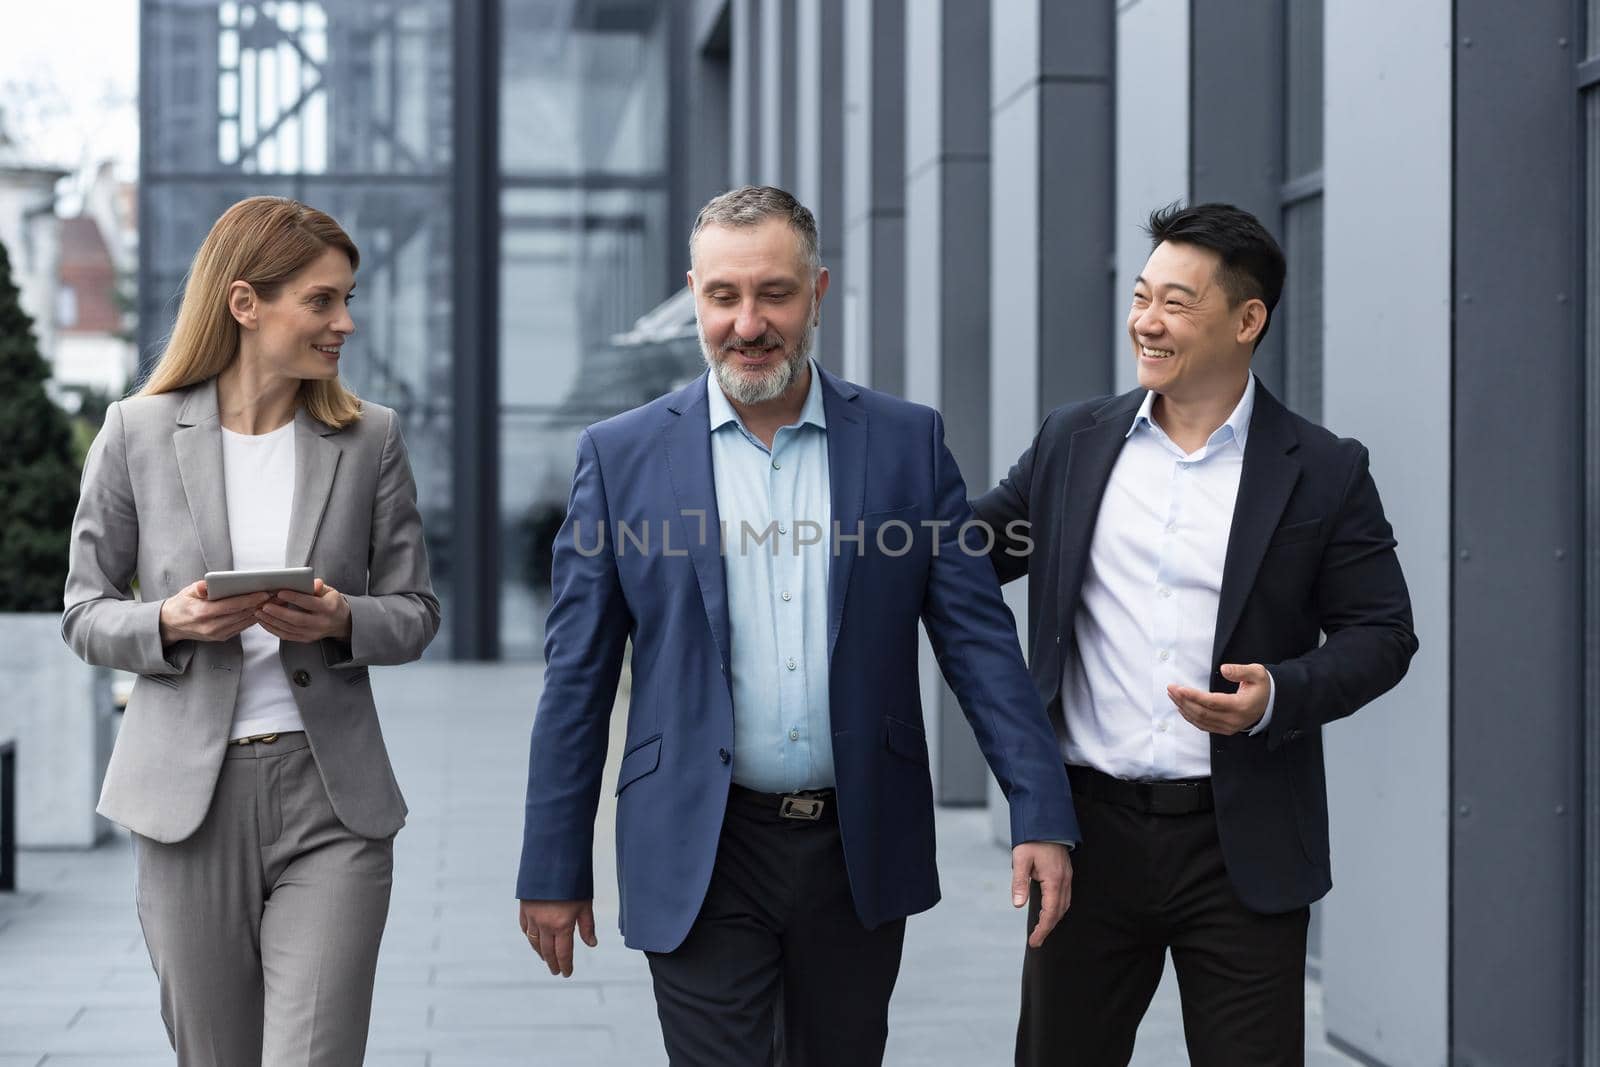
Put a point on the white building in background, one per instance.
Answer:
(72, 271)
(31, 233)
(93, 347)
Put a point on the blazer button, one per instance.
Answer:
(722, 754)
(302, 679)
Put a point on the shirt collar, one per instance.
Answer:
(722, 412)
(1237, 426)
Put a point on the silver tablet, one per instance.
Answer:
(222, 584)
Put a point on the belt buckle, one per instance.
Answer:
(794, 806)
(265, 739)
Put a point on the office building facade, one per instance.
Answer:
(521, 175)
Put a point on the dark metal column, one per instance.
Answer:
(474, 555)
(1516, 931)
(1236, 106)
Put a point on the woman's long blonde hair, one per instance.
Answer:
(265, 241)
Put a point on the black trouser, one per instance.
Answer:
(1143, 884)
(777, 969)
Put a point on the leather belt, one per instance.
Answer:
(255, 739)
(1182, 796)
(805, 805)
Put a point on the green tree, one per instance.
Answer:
(38, 472)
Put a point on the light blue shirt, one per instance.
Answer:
(1147, 614)
(776, 512)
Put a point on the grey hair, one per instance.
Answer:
(750, 205)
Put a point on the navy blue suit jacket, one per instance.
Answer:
(650, 468)
(1310, 556)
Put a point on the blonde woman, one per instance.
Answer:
(250, 767)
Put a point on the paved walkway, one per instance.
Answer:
(457, 984)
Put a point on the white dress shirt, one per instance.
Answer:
(1147, 616)
(258, 476)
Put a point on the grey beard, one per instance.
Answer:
(752, 389)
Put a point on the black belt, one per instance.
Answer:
(1181, 796)
(806, 805)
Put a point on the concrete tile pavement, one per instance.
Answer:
(457, 984)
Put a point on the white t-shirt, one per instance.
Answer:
(258, 475)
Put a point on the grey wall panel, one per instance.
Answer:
(1516, 937)
(819, 157)
(1052, 159)
(1152, 153)
(776, 127)
(1385, 926)
(1236, 146)
(1014, 280)
(947, 294)
(744, 105)
(872, 279)
(1051, 224)
(1076, 234)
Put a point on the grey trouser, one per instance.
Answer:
(264, 925)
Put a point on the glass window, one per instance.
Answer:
(1300, 311)
(342, 104)
(584, 253)
(1304, 110)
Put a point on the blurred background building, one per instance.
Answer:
(521, 176)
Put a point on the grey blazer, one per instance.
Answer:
(152, 509)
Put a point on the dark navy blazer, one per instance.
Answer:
(650, 470)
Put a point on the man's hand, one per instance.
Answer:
(1227, 713)
(188, 616)
(1050, 865)
(306, 617)
(547, 924)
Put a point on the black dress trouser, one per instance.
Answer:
(777, 970)
(1144, 884)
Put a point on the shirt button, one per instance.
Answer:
(1165, 655)
(1162, 728)
(790, 664)
(302, 679)
(783, 528)
(1164, 592)
(722, 754)
(794, 735)
(786, 595)
(777, 466)
(1172, 527)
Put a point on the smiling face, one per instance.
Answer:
(1191, 342)
(300, 331)
(756, 306)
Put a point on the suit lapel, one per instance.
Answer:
(198, 444)
(847, 482)
(688, 454)
(1268, 477)
(1093, 453)
(316, 457)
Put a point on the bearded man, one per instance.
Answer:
(769, 537)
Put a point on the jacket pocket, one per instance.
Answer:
(1296, 531)
(170, 681)
(357, 674)
(639, 761)
(906, 741)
